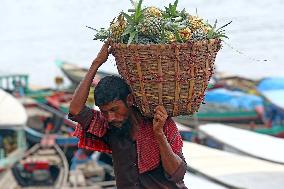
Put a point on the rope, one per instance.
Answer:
(242, 53)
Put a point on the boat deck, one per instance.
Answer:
(250, 143)
(233, 171)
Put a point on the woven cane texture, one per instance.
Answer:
(173, 75)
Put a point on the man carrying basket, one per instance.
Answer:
(147, 152)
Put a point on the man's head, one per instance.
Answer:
(112, 96)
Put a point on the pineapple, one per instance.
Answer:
(205, 28)
(152, 12)
(199, 34)
(150, 26)
(117, 28)
(147, 40)
(185, 34)
(170, 37)
(195, 22)
(154, 25)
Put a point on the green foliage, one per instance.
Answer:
(133, 21)
(217, 33)
(102, 34)
(171, 10)
(152, 25)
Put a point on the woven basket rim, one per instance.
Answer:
(190, 42)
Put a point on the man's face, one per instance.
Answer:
(116, 113)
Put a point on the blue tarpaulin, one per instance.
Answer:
(271, 84)
(235, 99)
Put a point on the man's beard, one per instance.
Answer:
(124, 130)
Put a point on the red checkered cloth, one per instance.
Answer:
(147, 147)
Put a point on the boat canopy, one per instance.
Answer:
(12, 112)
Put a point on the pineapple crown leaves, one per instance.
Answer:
(133, 21)
(178, 37)
(102, 34)
(173, 18)
(184, 14)
(172, 26)
(171, 10)
(217, 33)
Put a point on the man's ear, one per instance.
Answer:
(130, 100)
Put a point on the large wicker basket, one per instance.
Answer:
(173, 75)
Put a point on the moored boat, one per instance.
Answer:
(275, 130)
(76, 73)
(272, 91)
(43, 167)
(233, 170)
(187, 133)
(13, 118)
(44, 119)
(245, 142)
(222, 105)
(237, 83)
(61, 100)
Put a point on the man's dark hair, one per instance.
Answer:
(111, 88)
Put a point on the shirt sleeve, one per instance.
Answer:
(178, 175)
(91, 130)
(175, 140)
(84, 117)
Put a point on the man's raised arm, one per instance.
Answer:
(82, 91)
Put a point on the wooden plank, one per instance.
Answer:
(7, 180)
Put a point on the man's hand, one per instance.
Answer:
(159, 120)
(103, 54)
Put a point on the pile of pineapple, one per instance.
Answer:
(152, 25)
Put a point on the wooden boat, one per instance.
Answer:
(43, 118)
(275, 130)
(92, 174)
(233, 170)
(272, 90)
(237, 83)
(275, 97)
(75, 73)
(222, 105)
(61, 100)
(12, 135)
(14, 82)
(187, 133)
(42, 167)
(39, 94)
(94, 170)
(233, 116)
(245, 142)
(274, 107)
